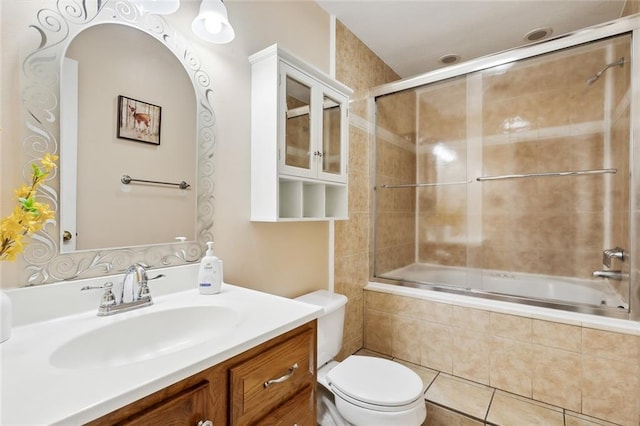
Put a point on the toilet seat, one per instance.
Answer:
(376, 384)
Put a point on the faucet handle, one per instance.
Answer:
(144, 288)
(156, 277)
(614, 253)
(106, 286)
(108, 298)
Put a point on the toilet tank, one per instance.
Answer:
(330, 322)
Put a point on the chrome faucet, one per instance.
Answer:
(134, 291)
(614, 253)
(612, 275)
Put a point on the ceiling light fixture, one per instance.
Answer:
(449, 59)
(159, 7)
(538, 34)
(212, 23)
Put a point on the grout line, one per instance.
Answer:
(529, 400)
(486, 415)
(453, 410)
(431, 384)
(532, 401)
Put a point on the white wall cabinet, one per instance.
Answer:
(299, 140)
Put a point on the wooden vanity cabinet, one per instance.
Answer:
(234, 392)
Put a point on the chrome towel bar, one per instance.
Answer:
(420, 185)
(126, 179)
(547, 174)
(503, 177)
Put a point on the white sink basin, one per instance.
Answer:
(143, 337)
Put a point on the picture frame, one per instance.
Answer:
(138, 120)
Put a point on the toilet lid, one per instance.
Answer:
(376, 381)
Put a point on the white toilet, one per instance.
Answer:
(367, 391)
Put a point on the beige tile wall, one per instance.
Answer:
(620, 135)
(631, 7)
(395, 165)
(526, 224)
(360, 69)
(588, 371)
(442, 158)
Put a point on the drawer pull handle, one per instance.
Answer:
(287, 376)
(205, 423)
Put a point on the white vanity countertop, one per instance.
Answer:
(34, 392)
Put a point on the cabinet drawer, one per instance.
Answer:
(298, 410)
(266, 381)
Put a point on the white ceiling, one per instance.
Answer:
(410, 36)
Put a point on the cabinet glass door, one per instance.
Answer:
(297, 124)
(331, 136)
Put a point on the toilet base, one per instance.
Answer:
(328, 414)
(413, 415)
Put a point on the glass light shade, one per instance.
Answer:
(212, 23)
(160, 7)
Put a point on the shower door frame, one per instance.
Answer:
(627, 25)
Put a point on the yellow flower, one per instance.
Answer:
(28, 216)
(49, 162)
(23, 191)
(45, 212)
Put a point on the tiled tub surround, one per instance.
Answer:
(585, 364)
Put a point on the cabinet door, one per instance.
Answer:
(297, 155)
(186, 408)
(334, 137)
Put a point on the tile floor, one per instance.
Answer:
(452, 401)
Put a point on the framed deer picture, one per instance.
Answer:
(138, 121)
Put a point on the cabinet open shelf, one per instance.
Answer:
(301, 200)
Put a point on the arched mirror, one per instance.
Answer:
(125, 103)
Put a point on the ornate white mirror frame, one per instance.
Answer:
(40, 93)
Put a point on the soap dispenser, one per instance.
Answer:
(210, 273)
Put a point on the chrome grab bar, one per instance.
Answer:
(546, 174)
(126, 179)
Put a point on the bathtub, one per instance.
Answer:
(542, 290)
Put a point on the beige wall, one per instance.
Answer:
(287, 259)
